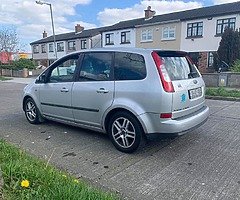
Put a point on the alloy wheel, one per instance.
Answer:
(123, 132)
(31, 111)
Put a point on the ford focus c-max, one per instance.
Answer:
(127, 93)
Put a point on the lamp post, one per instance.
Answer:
(54, 38)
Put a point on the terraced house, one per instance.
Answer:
(196, 31)
(43, 49)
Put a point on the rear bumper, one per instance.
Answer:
(153, 124)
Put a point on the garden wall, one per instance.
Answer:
(20, 73)
(225, 79)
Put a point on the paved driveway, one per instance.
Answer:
(203, 164)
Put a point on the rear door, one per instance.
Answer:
(189, 87)
(93, 93)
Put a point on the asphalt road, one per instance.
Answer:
(203, 164)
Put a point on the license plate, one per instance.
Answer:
(194, 93)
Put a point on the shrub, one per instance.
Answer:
(24, 63)
(236, 66)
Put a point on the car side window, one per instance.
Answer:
(96, 66)
(129, 66)
(64, 71)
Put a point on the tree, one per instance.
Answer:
(229, 48)
(9, 41)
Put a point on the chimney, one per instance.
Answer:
(149, 13)
(44, 34)
(78, 28)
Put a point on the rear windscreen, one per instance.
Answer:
(178, 67)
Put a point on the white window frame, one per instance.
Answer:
(225, 22)
(84, 44)
(35, 48)
(72, 45)
(167, 31)
(147, 35)
(109, 39)
(50, 48)
(43, 48)
(60, 46)
(125, 37)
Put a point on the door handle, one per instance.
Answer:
(64, 90)
(102, 90)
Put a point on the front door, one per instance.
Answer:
(55, 95)
(93, 93)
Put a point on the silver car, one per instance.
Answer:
(128, 93)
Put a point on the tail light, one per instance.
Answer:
(166, 115)
(165, 79)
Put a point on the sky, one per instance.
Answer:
(30, 19)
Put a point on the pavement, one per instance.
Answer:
(20, 80)
(201, 165)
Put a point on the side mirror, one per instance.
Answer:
(42, 79)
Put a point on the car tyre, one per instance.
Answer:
(125, 132)
(31, 111)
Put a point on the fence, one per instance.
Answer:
(225, 79)
(20, 73)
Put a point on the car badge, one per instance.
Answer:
(195, 81)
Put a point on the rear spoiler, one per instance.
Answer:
(171, 53)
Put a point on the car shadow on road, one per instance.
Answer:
(156, 141)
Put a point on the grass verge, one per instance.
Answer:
(222, 92)
(26, 177)
(2, 78)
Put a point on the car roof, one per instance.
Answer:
(129, 49)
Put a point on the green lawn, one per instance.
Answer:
(2, 78)
(26, 177)
(220, 91)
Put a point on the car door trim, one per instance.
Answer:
(70, 107)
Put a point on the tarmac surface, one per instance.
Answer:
(203, 164)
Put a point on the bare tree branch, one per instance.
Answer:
(9, 41)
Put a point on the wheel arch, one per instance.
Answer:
(115, 110)
(24, 100)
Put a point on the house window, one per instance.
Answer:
(71, 45)
(60, 46)
(36, 48)
(125, 37)
(168, 33)
(195, 29)
(83, 44)
(109, 39)
(147, 35)
(222, 24)
(43, 47)
(50, 47)
(210, 59)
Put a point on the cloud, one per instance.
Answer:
(216, 2)
(30, 19)
(113, 15)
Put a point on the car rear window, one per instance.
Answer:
(178, 66)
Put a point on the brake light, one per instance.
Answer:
(166, 115)
(162, 71)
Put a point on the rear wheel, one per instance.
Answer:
(31, 111)
(125, 132)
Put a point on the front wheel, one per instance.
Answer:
(31, 111)
(125, 132)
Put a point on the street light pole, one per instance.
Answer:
(54, 37)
